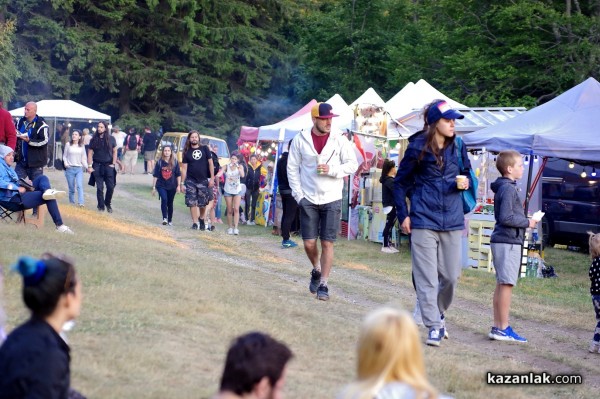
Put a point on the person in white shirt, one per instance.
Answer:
(318, 161)
(75, 161)
(119, 136)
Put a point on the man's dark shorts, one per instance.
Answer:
(321, 221)
(197, 194)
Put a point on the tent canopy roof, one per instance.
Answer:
(63, 109)
(565, 127)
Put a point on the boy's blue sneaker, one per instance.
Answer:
(434, 338)
(288, 244)
(506, 335)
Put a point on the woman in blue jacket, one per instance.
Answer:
(427, 174)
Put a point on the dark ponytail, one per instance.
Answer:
(44, 281)
(388, 164)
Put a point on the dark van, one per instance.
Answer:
(571, 202)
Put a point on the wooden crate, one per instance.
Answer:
(480, 253)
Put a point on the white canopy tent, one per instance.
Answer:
(54, 111)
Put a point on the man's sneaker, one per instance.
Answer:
(230, 231)
(170, 224)
(201, 224)
(323, 293)
(195, 226)
(315, 280)
(394, 249)
(100, 209)
(434, 338)
(387, 250)
(594, 347)
(108, 209)
(251, 223)
(506, 335)
(236, 232)
(165, 222)
(444, 330)
(52, 194)
(288, 244)
(63, 228)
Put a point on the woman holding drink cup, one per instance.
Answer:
(429, 174)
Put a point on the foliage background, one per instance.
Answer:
(215, 65)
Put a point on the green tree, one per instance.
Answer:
(8, 70)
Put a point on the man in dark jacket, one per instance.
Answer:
(287, 200)
(32, 145)
(255, 178)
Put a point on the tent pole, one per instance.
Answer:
(529, 174)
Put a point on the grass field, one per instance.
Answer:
(161, 306)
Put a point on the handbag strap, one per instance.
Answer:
(459, 144)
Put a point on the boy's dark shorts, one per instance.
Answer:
(319, 220)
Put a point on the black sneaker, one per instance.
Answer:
(195, 226)
(315, 280)
(108, 209)
(100, 209)
(323, 293)
(201, 224)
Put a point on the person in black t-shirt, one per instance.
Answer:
(102, 155)
(198, 177)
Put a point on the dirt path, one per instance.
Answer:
(551, 348)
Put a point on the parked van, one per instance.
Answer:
(177, 141)
(571, 203)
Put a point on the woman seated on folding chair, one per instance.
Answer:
(14, 197)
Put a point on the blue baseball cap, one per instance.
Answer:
(440, 110)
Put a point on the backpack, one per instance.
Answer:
(132, 142)
(215, 159)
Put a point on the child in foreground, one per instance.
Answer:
(594, 274)
(507, 240)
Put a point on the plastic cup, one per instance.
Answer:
(321, 160)
(459, 181)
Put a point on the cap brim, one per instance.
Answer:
(327, 116)
(452, 114)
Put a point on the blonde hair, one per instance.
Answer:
(505, 159)
(389, 350)
(594, 244)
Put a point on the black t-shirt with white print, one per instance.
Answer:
(197, 164)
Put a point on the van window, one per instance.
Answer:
(222, 150)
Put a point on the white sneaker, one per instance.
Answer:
(594, 347)
(230, 231)
(251, 223)
(387, 250)
(165, 222)
(236, 232)
(52, 194)
(394, 250)
(63, 228)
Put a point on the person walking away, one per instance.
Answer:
(211, 217)
(149, 143)
(318, 161)
(32, 146)
(288, 202)
(34, 359)
(427, 174)
(75, 162)
(120, 137)
(255, 179)
(388, 172)
(14, 197)
(166, 181)
(8, 132)
(594, 273)
(197, 175)
(390, 362)
(507, 240)
(234, 172)
(131, 149)
(87, 137)
(102, 156)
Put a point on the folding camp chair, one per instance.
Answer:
(11, 212)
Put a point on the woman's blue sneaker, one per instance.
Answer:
(288, 244)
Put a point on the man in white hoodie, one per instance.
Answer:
(318, 161)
